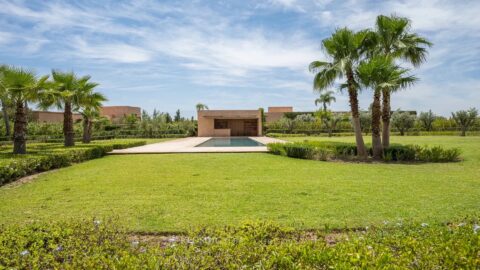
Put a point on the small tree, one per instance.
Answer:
(145, 116)
(168, 118)
(366, 121)
(465, 119)
(287, 124)
(201, 106)
(177, 117)
(90, 111)
(426, 120)
(330, 121)
(131, 120)
(403, 121)
(305, 118)
(325, 99)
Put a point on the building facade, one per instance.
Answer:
(51, 117)
(276, 113)
(117, 113)
(226, 123)
(113, 113)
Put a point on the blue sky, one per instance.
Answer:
(233, 54)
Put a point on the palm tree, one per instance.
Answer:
(67, 93)
(90, 110)
(201, 106)
(325, 99)
(392, 38)
(4, 100)
(381, 74)
(22, 86)
(345, 48)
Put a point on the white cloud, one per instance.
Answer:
(5, 38)
(117, 52)
(288, 5)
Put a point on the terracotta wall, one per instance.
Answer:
(117, 113)
(51, 117)
(276, 113)
(114, 113)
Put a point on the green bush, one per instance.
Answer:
(278, 135)
(398, 152)
(340, 150)
(276, 148)
(304, 151)
(94, 244)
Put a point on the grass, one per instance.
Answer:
(172, 192)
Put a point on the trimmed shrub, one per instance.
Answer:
(339, 150)
(277, 135)
(303, 151)
(94, 244)
(398, 152)
(276, 148)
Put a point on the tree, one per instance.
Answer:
(426, 119)
(90, 111)
(177, 117)
(145, 115)
(201, 106)
(330, 121)
(67, 93)
(168, 118)
(392, 38)
(4, 101)
(366, 121)
(325, 99)
(345, 47)
(304, 118)
(380, 73)
(403, 121)
(465, 119)
(131, 120)
(21, 86)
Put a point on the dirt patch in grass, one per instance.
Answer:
(26, 179)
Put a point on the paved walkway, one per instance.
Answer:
(187, 145)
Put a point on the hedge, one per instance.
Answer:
(16, 166)
(100, 244)
(339, 150)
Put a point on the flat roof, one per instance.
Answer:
(230, 114)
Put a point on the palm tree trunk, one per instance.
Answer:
(386, 118)
(353, 97)
(20, 129)
(376, 138)
(6, 119)
(325, 107)
(68, 125)
(87, 130)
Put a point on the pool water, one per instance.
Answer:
(229, 142)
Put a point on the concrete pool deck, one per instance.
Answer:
(187, 145)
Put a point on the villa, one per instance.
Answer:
(227, 123)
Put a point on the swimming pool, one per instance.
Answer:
(229, 142)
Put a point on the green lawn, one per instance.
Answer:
(175, 191)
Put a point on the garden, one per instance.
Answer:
(324, 199)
